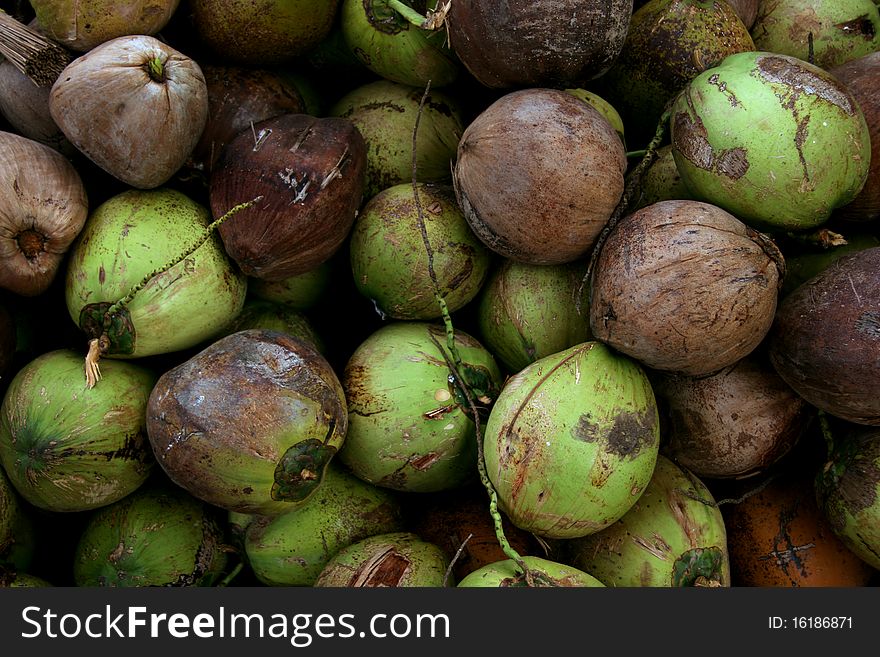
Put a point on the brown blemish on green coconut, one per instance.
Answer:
(387, 569)
(692, 142)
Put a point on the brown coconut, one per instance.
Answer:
(684, 286)
(862, 78)
(825, 341)
(310, 173)
(734, 423)
(538, 174)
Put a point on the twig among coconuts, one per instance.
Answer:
(39, 58)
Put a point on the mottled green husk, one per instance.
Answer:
(507, 573)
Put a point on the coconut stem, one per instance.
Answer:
(99, 346)
(827, 434)
(433, 20)
(156, 69)
(455, 558)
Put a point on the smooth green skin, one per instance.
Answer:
(848, 492)
(84, 24)
(17, 538)
(572, 441)
(277, 31)
(668, 521)
(385, 113)
(391, 381)
(292, 548)
(394, 48)
(66, 447)
(808, 151)
(526, 312)
(389, 261)
(425, 563)
(158, 536)
(507, 573)
(605, 108)
(300, 292)
(783, 26)
(275, 317)
(136, 233)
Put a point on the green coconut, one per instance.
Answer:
(526, 312)
(385, 112)
(605, 108)
(249, 423)
(17, 537)
(840, 30)
(772, 139)
(68, 447)
(674, 535)
(300, 292)
(661, 181)
(292, 548)
(669, 42)
(157, 536)
(395, 560)
(129, 241)
(395, 46)
(409, 424)
(848, 491)
(572, 441)
(14, 579)
(543, 571)
(259, 314)
(389, 259)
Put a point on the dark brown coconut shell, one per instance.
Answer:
(734, 423)
(311, 174)
(540, 43)
(747, 10)
(825, 342)
(237, 98)
(862, 78)
(538, 174)
(684, 286)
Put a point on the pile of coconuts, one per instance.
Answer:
(442, 293)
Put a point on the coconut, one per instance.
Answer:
(396, 560)
(669, 42)
(526, 312)
(67, 447)
(830, 32)
(81, 26)
(17, 537)
(385, 113)
(683, 286)
(309, 173)
(134, 106)
(861, 77)
(774, 140)
(259, 314)
(238, 98)
(848, 490)
(779, 537)
(747, 10)
(571, 441)
(732, 424)
(249, 423)
(801, 267)
(300, 291)
(539, 43)
(674, 535)
(538, 174)
(661, 181)
(389, 260)
(292, 548)
(605, 108)
(120, 249)
(825, 341)
(410, 426)
(43, 208)
(158, 536)
(13, 579)
(277, 31)
(543, 572)
(392, 46)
